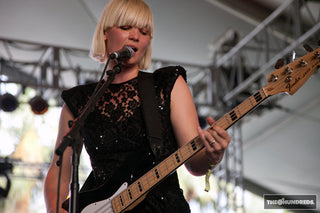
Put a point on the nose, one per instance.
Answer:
(134, 34)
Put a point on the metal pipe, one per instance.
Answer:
(257, 74)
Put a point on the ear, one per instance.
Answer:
(105, 37)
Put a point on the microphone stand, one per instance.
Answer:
(73, 138)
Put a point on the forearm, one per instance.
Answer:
(199, 164)
(51, 192)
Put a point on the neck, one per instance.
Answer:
(127, 73)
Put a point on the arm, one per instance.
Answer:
(51, 180)
(185, 124)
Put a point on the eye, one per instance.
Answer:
(126, 27)
(144, 31)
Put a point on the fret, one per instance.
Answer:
(115, 203)
(251, 101)
(189, 150)
(166, 165)
(121, 200)
(125, 197)
(181, 154)
(150, 178)
(239, 112)
(172, 162)
(164, 168)
(134, 190)
(146, 181)
(223, 124)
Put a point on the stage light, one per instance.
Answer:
(8, 102)
(38, 105)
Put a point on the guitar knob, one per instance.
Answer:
(279, 63)
(303, 62)
(288, 79)
(307, 48)
(273, 78)
(288, 70)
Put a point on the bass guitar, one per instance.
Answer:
(121, 195)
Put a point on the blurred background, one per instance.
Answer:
(228, 47)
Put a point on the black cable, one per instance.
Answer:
(59, 163)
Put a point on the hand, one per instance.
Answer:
(216, 140)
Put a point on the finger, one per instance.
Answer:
(206, 138)
(210, 121)
(222, 143)
(221, 132)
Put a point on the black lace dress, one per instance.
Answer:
(115, 131)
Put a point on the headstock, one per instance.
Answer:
(291, 77)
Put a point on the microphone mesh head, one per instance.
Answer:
(131, 51)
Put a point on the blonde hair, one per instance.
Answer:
(121, 13)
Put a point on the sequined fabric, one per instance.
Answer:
(115, 130)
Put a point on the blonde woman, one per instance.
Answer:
(115, 132)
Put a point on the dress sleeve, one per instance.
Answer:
(77, 97)
(166, 77)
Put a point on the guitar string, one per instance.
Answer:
(243, 108)
(183, 152)
(244, 105)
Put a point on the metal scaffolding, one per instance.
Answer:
(238, 69)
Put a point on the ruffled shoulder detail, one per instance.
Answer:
(77, 97)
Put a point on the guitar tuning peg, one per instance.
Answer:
(307, 48)
(279, 63)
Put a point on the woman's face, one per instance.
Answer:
(138, 39)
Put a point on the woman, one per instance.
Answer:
(115, 130)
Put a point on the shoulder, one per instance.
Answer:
(82, 90)
(166, 77)
(170, 72)
(76, 97)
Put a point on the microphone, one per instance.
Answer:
(125, 52)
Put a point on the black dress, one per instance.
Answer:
(115, 131)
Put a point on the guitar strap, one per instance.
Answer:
(150, 112)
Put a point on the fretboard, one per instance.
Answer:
(141, 186)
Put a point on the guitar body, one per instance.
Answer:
(104, 206)
(99, 199)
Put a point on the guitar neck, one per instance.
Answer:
(242, 109)
(126, 199)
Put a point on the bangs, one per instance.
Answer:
(135, 14)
